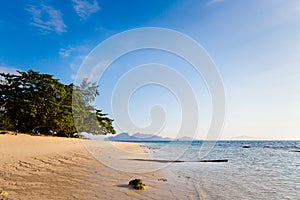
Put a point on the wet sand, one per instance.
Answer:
(38, 167)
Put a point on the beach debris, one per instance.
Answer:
(296, 151)
(177, 161)
(246, 146)
(137, 184)
(3, 193)
(162, 179)
(220, 160)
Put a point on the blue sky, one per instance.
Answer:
(254, 43)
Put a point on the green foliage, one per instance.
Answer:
(30, 99)
(86, 117)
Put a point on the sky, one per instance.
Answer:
(253, 43)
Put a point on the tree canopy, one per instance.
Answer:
(31, 99)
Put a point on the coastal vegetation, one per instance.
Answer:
(35, 101)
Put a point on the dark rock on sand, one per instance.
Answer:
(137, 184)
(3, 194)
(162, 179)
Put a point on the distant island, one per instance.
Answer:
(150, 137)
(185, 138)
(137, 137)
(144, 137)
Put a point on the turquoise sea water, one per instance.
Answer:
(265, 170)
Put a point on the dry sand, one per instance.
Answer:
(37, 167)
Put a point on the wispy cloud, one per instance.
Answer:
(65, 52)
(47, 19)
(84, 8)
(74, 55)
(210, 2)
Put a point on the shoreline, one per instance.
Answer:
(62, 168)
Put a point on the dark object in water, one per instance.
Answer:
(297, 151)
(246, 146)
(222, 160)
(137, 184)
(178, 161)
(3, 132)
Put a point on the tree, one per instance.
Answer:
(86, 117)
(31, 99)
(105, 123)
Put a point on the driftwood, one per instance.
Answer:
(177, 161)
(297, 151)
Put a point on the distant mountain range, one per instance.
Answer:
(144, 137)
(150, 137)
(185, 138)
(137, 137)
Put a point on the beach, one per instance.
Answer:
(40, 167)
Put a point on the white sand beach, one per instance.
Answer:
(39, 167)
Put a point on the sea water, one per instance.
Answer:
(255, 169)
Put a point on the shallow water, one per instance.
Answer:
(266, 170)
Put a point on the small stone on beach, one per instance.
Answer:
(137, 184)
(3, 193)
(162, 179)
